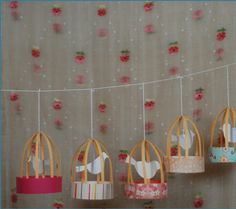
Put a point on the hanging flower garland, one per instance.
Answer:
(148, 6)
(15, 13)
(173, 49)
(219, 52)
(58, 203)
(57, 105)
(198, 96)
(80, 57)
(197, 14)
(14, 98)
(57, 26)
(198, 201)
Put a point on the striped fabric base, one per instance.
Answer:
(92, 190)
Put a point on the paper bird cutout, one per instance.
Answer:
(93, 167)
(150, 167)
(182, 139)
(231, 133)
(32, 159)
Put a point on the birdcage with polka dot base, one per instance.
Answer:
(150, 186)
(47, 176)
(100, 187)
(182, 136)
(223, 150)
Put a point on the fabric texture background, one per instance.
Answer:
(149, 60)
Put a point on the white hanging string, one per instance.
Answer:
(181, 94)
(227, 83)
(91, 113)
(121, 86)
(39, 106)
(144, 114)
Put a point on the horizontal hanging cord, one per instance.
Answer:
(120, 86)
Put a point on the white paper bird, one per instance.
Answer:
(93, 167)
(182, 139)
(231, 133)
(150, 167)
(32, 159)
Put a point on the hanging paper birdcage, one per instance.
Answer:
(183, 141)
(34, 157)
(224, 151)
(99, 189)
(148, 187)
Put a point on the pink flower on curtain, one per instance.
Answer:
(149, 28)
(57, 104)
(125, 79)
(102, 11)
(197, 113)
(102, 32)
(122, 177)
(149, 127)
(103, 128)
(57, 27)
(125, 55)
(14, 96)
(173, 48)
(173, 70)
(199, 94)
(79, 79)
(149, 104)
(198, 201)
(148, 6)
(102, 107)
(221, 34)
(197, 14)
(80, 57)
(58, 123)
(37, 68)
(14, 4)
(219, 53)
(35, 52)
(15, 14)
(18, 108)
(56, 10)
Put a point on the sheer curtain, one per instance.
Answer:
(100, 44)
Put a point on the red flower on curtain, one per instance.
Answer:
(149, 28)
(123, 155)
(14, 4)
(148, 6)
(219, 53)
(80, 57)
(199, 94)
(80, 79)
(102, 107)
(56, 10)
(197, 14)
(125, 55)
(35, 52)
(198, 201)
(149, 104)
(58, 204)
(221, 34)
(125, 79)
(173, 48)
(102, 11)
(57, 104)
(14, 96)
(197, 113)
